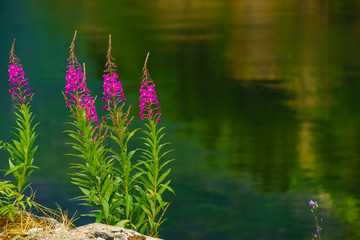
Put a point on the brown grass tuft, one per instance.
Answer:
(24, 221)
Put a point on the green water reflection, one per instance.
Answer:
(260, 99)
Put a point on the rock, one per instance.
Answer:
(104, 235)
(94, 231)
(34, 231)
(135, 237)
(120, 236)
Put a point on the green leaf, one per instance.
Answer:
(92, 196)
(159, 138)
(141, 220)
(159, 130)
(80, 180)
(135, 177)
(11, 216)
(165, 186)
(105, 208)
(146, 210)
(22, 205)
(109, 192)
(151, 201)
(149, 142)
(28, 201)
(162, 221)
(129, 203)
(85, 191)
(151, 179)
(122, 223)
(165, 163)
(145, 182)
(13, 168)
(158, 197)
(163, 176)
(143, 228)
(99, 217)
(115, 204)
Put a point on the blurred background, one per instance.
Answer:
(261, 101)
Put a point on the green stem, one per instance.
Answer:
(155, 164)
(26, 147)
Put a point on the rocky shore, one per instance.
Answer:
(46, 228)
(94, 231)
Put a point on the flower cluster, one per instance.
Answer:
(112, 89)
(113, 92)
(75, 83)
(87, 104)
(19, 90)
(317, 232)
(314, 206)
(148, 98)
(79, 93)
(76, 87)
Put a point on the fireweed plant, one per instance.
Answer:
(94, 176)
(117, 121)
(22, 148)
(314, 207)
(153, 163)
(123, 192)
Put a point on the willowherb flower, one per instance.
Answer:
(87, 104)
(149, 103)
(112, 88)
(19, 90)
(75, 83)
(76, 92)
(113, 92)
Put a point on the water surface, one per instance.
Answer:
(260, 100)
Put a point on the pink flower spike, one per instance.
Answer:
(148, 96)
(17, 80)
(112, 88)
(113, 92)
(79, 93)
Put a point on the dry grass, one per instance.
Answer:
(60, 215)
(24, 221)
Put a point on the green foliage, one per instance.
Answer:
(11, 201)
(8, 193)
(120, 134)
(94, 177)
(22, 149)
(21, 166)
(122, 193)
(153, 178)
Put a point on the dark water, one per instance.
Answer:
(260, 99)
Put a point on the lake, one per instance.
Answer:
(260, 100)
